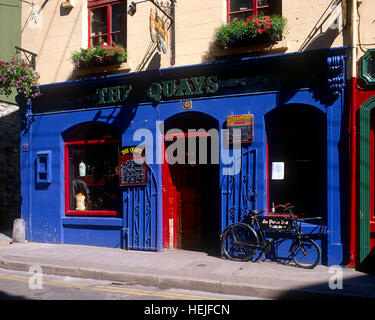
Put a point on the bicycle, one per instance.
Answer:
(241, 240)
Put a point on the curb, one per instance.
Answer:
(166, 282)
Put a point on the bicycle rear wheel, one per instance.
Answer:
(239, 242)
(306, 253)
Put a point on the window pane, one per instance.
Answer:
(118, 23)
(94, 181)
(117, 38)
(98, 21)
(266, 11)
(241, 16)
(262, 3)
(116, 17)
(239, 5)
(97, 41)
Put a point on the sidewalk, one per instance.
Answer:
(185, 270)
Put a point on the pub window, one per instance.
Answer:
(107, 22)
(91, 172)
(241, 9)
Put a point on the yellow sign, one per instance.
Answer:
(240, 128)
(158, 31)
(240, 119)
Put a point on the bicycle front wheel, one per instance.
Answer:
(239, 242)
(306, 253)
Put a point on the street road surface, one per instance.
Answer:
(16, 285)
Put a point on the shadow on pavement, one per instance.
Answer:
(6, 296)
(354, 289)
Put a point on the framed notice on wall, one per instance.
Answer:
(244, 122)
(132, 165)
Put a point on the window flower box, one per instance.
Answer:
(101, 59)
(252, 31)
(106, 69)
(99, 56)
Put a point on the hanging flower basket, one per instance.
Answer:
(253, 30)
(20, 76)
(101, 55)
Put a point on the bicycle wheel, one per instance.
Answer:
(239, 242)
(306, 253)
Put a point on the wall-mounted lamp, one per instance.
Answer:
(67, 4)
(132, 8)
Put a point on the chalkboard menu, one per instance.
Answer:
(245, 123)
(132, 172)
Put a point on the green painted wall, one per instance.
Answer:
(10, 32)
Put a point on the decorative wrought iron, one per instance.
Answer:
(239, 191)
(141, 215)
(27, 55)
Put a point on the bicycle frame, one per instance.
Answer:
(265, 233)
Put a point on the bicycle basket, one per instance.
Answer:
(270, 223)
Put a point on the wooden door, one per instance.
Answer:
(189, 207)
(181, 205)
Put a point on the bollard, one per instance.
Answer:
(19, 230)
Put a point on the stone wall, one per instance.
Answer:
(10, 185)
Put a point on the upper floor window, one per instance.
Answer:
(107, 22)
(241, 9)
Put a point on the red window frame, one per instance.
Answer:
(95, 4)
(253, 12)
(69, 212)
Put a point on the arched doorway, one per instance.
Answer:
(297, 161)
(191, 218)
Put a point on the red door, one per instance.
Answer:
(188, 206)
(182, 205)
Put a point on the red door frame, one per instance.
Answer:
(170, 198)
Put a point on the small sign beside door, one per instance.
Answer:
(245, 123)
(132, 172)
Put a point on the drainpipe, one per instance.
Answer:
(354, 38)
(353, 139)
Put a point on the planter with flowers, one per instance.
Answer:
(101, 59)
(257, 31)
(19, 77)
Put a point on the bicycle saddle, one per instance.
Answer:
(256, 212)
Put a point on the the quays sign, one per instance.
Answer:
(161, 90)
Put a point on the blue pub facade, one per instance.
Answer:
(77, 135)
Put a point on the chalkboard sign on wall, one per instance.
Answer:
(132, 173)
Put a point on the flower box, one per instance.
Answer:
(252, 31)
(252, 49)
(106, 69)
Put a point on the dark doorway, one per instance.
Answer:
(297, 161)
(191, 188)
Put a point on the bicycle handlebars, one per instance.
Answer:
(284, 206)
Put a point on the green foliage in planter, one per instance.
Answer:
(252, 30)
(18, 75)
(99, 56)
